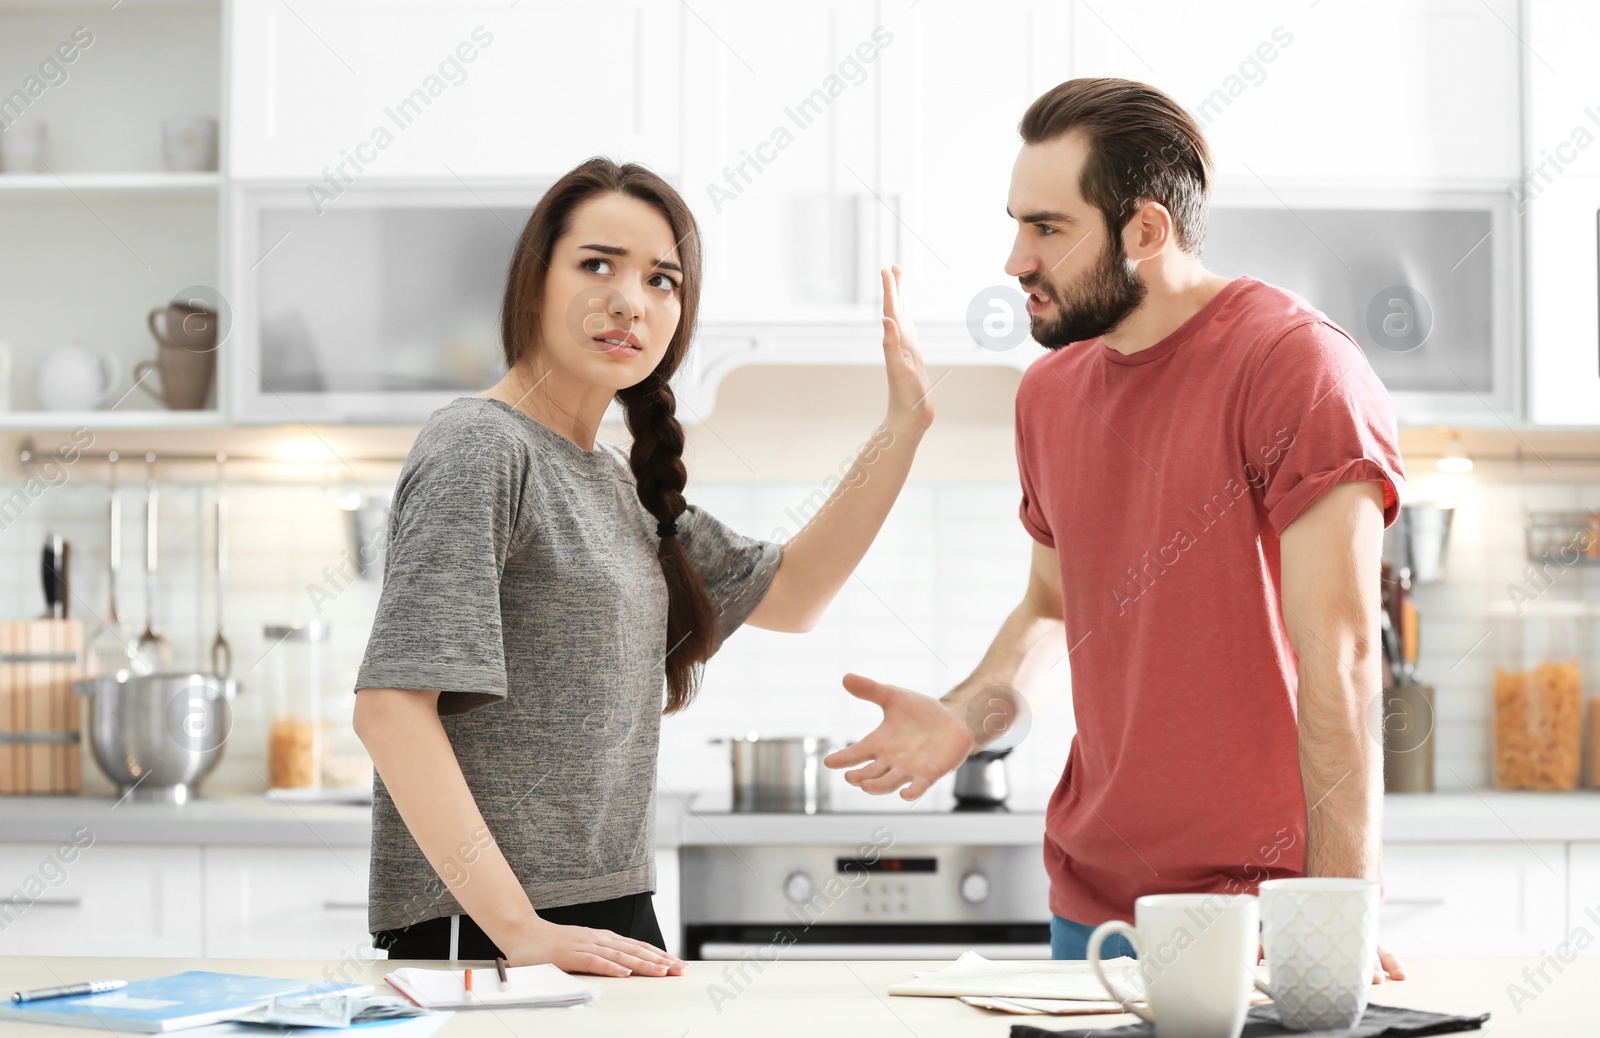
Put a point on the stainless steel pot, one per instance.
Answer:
(156, 736)
(779, 775)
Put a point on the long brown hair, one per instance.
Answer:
(656, 457)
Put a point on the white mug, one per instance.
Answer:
(1320, 936)
(76, 378)
(1195, 953)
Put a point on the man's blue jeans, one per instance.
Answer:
(1070, 940)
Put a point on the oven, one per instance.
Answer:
(874, 899)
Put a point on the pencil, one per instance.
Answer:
(500, 965)
(469, 980)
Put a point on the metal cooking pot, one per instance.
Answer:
(156, 736)
(779, 775)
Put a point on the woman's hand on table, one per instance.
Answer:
(581, 949)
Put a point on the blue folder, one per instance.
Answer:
(190, 999)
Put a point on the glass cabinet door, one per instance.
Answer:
(380, 310)
(1425, 285)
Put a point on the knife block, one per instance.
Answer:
(41, 719)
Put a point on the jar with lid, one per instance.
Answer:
(1544, 654)
(295, 663)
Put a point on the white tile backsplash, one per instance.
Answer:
(950, 563)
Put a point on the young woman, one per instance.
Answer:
(541, 590)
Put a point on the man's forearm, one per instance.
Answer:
(1341, 770)
(1029, 644)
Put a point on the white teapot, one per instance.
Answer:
(76, 378)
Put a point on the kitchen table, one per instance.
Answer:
(845, 999)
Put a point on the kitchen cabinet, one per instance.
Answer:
(1473, 898)
(121, 899)
(1375, 91)
(380, 308)
(449, 89)
(948, 148)
(103, 233)
(1563, 333)
(783, 157)
(1562, 84)
(281, 902)
(1426, 282)
(1583, 898)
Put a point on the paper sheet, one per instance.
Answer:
(972, 974)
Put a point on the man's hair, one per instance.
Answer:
(1142, 147)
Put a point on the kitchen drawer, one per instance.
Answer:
(100, 899)
(1473, 898)
(271, 902)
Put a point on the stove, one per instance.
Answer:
(899, 883)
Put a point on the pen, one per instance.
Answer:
(469, 979)
(88, 987)
(500, 964)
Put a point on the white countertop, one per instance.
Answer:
(1491, 816)
(847, 999)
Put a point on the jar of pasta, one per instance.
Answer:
(1543, 660)
(294, 668)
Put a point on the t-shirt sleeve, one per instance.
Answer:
(438, 622)
(1031, 510)
(736, 570)
(1316, 415)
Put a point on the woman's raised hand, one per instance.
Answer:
(910, 394)
(580, 949)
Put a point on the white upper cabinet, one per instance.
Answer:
(1563, 337)
(782, 163)
(450, 89)
(1372, 90)
(1560, 200)
(1563, 88)
(955, 88)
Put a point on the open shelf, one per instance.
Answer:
(93, 420)
(103, 185)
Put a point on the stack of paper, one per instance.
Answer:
(972, 974)
(528, 986)
(1063, 988)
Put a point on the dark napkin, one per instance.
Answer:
(1262, 1022)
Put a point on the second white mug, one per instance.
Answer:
(1195, 953)
(1320, 936)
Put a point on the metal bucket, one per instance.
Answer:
(156, 736)
(779, 775)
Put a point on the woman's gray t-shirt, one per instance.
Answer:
(521, 580)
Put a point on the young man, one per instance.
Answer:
(1207, 468)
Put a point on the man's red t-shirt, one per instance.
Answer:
(1164, 479)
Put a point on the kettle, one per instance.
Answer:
(980, 783)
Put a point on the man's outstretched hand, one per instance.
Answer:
(919, 741)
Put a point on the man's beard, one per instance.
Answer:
(1099, 301)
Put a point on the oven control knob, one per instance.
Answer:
(974, 888)
(797, 887)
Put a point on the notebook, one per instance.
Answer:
(529, 986)
(190, 999)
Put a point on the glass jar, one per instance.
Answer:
(1543, 654)
(295, 661)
